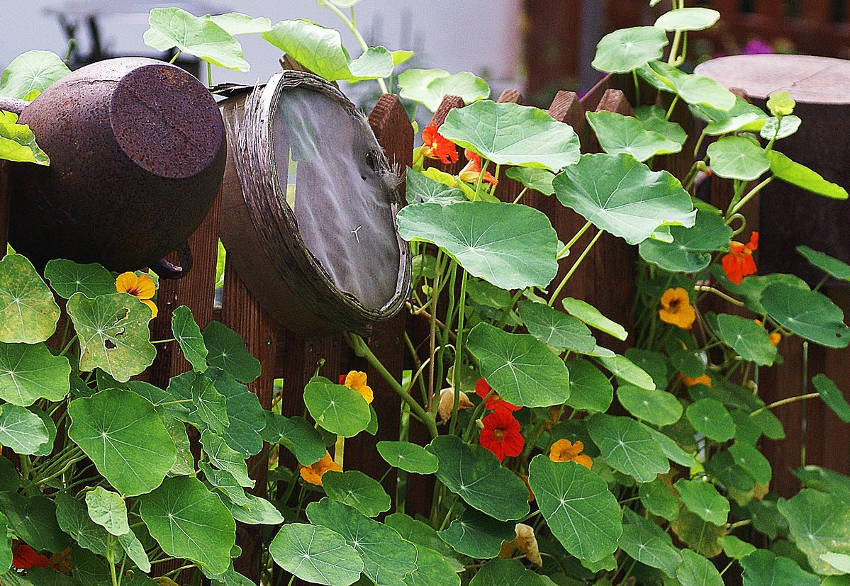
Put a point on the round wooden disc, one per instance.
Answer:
(813, 80)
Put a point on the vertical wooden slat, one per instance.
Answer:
(552, 44)
(774, 9)
(817, 11)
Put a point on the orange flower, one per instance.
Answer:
(501, 434)
(492, 400)
(140, 286)
(676, 308)
(564, 450)
(738, 262)
(702, 379)
(314, 472)
(356, 380)
(436, 147)
(472, 170)
(775, 338)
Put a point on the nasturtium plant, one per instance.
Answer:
(30, 73)
(17, 142)
(429, 86)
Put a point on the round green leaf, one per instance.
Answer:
(227, 351)
(107, 509)
(429, 86)
(670, 448)
(125, 438)
(246, 416)
(555, 328)
(424, 537)
(703, 499)
(590, 390)
(753, 461)
(688, 19)
(623, 196)
(226, 458)
(765, 567)
(357, 490)
(419, 188)
(780, 128)
(655, 118)
(696, 90)
(593, 317)
(33, 521)
(67, 277)
(809, 314)
(477, 535)
(627, 447)
(735, 548)
(208, 404)
(316, 554)
(241, 24)
(407, 456)
(803, 177)
(828, 264)
(629, 48)
(17, 142)
(539, 180)
(336, 408)
(818, 523)
(656, 407)
(510, 245)
(188, 521)
(256, 511)
(710, 418)
(21, 430)
(646, 542)
(296, 435)
(697, 571)
(578, 507)
(625, 369)
(736, 157)
(387, 558)
(30, 73)
(658, 499)
(28, 313)
(625, 134)
(476, 475)
(508, 572)
(510, 134)
(432, 569)
(673, 257)
(653, 363)
(74, 520)
(708, 234)
(30, 372)
(188, 336)
(196, 35)
(519, 367)
(750, 340)
(832, 396)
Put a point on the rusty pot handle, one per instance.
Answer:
(13, 105)
(167, 270)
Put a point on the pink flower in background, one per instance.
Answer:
(758, 47)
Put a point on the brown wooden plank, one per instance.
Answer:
(816, 11)
(446, 106)
(552, 44)
(770, 8)
(567, 108)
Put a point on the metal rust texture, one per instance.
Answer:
(137, 155)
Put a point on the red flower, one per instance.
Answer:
(24, 557)
(492, 400)
(436, 147)
(738, 262)
(501, 434)
(472, 170)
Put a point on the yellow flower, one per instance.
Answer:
(140, 286)
(356, 380)
(775, 338)
(564, 450)
(676, 308)
(314, 472)
(702, 379)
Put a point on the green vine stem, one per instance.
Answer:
(458, 352)
(573, 269)
(349, 23)
(785, 401)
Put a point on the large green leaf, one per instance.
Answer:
(429, 86)
(196, 35)
(818, 523)
(625, 134)
(21, 430)
(780, 128)
(477, 535)
(28, 313)
(736, 157)
(188, 521)
(765, 567)
(67, 277)
(703, 499)
(519, 367)
(828, 264)
(623, 196)
(590, 390)
(808, 314)
(593, 317)
(355, 489)
(659, 499)
(337, 408)
(475, 474)
(107, 509)
(17, 142)
(33, 521)
(247, 417)
(320, 50)
(387, 557)
(687, 252)
(226, 458)
(656, 407)
(832, 396)
(750, 340)
(208, 404)
(408, 456)
(227, 351)
(748, 457)
(423, 536)
(74, 520)
(688, 19)
(670, 448)
(508, 572)
(627, 447)
(419, 188)
(694, 89)
(803, 177)
(113, 334)
(625, 369)
(296, 435)
(431, 569)
(539, 180)
(555, 328)
(510, 245)
(510, 134)
(673, 257)
(125, 438)
(30, 372)
(316, 554)
(188, 336)
(241, 24)
(256, 511)
(646, 542)
(697, 571)
(710, 418)
(579, 509)
(30, 73)
(629, 48)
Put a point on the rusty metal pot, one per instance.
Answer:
(137, 151)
